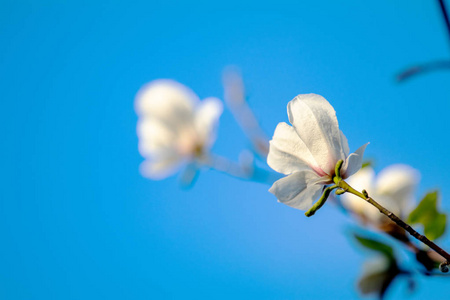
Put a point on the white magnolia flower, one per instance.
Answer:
(393, 188)
(378, 274)
(308, 151)
(174, 127)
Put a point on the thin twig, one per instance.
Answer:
(434, 65)
(445, 15)
(424, 68)
(342, 184)
(241, 170)
(236, 102)
(224, 165)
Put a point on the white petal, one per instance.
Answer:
(353, 162)
(154, 137)
(399, 183)
(206, 120)
(287, 152)
(363, 180)
(294, 190)
(161, 168)
(344, 143)
(315, 121)
(167, 100)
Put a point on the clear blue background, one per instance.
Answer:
(77, 221)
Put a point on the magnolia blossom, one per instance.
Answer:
(174, 127)
(307, 151)
(377, 276)
(393, 188)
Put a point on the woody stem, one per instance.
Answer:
(347, 188)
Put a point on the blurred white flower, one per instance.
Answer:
(378, 275)
(308, 151)
(393, 188)
(174, 127)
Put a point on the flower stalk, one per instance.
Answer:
(326, 192)
(342, 185)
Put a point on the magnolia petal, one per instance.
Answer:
(396, 178)
(161, 168)
(287, 152)
(353, 162)
(294, 190)
(315, 121)
(344, 143)
(167, 100)
(399, 183)
(154, 137)
(206, 120)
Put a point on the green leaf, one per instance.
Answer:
(426, 209)
(367, 163)
(427, 214)
(380, 247)
(436, 228)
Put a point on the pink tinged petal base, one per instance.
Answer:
(297, 189)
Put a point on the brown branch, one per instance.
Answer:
(343, 185)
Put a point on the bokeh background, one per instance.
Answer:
(77, 220)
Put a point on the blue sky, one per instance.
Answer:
(79, 222)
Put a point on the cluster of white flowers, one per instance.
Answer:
(177, 130)
(174, 128)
